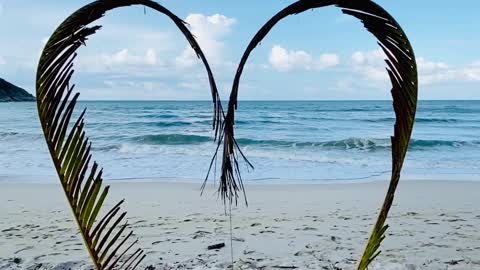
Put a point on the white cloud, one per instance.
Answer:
(283, 60)
(209, 32)
(439, 72)
(430, 72)
(327, 60)
(122, 89)
(123, 60)
(472, 72)
(371, 64)
(1, 8)
(134, 85)
(373, 57)
(125, 57)
(427, 66)
(2, 60)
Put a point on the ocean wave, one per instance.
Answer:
(437, 120)
(451, 109)
(345, 144)
(358, 144)
(370, 120)
(160, 116)
(376, 108)
(169, 124)
(417, 120)
(366, 144)
(13, 135)
(8, 134)
(250, 122)
(107, 148)
(415, 144)
(285, 123)
(172, 139)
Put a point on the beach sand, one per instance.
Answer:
(433, 225)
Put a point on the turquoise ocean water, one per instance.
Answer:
(287, 141)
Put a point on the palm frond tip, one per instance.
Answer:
(105, 239)
(402, 70)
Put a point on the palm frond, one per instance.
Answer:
(105, 238)
(402, 70)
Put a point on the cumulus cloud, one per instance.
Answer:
(124, 59)
(371, 64)
(428, 66)
(209, 32)
(133, 85)
(284, 60)
(446, 73)
(433, 72)
(327, 60)
(439, 72)
(122, 89)
(472, 72)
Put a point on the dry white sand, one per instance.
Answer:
(434, 225)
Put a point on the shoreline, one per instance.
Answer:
(433, 225)
(53, 179)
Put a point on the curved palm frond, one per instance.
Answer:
(108, 244)
(402, 70)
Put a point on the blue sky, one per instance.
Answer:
(321, 54)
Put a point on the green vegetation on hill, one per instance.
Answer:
(12, 93)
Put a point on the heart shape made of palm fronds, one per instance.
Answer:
(82, 180)
(402, 70)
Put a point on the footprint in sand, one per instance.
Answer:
(304, 253)
(157, 242)
(139, 221)
(455, 220)
(306, 228)
(23, 249)
(200, 234)
(434, 245)
(11, 229)
(238, 239)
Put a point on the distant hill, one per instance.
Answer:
(12, 93)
